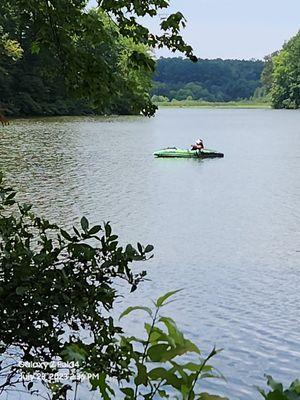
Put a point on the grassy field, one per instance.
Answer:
(206, 104)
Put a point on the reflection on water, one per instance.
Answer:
(227, 229)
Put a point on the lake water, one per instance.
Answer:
(227, 230)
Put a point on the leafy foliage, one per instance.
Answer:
(277, 391)
(125, 11)
(209, 80)
(56, 285)
(266, 76)
(118, 80)
(99, 57)
(8, 47)
(160, 368)
(282, 75)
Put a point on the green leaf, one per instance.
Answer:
(130, 250)
(158, 373)
(295, 386)
(25, 208)
(35, 48)
(107, 230)
(84, 224)
(142, 377)
(173, 380)
(103, 387)
(157, 351)
(162, 374)
(160, 301)
(192, 366)
(273, 384)
(76, 231)
(65, 235)
(95, 229)
(158, 335)
(113, 238)
(130, 309)
(262, 392)
(178, 351)
(11, 196)
(140, 247)
(135, 339)
(173, 332)
(74, 352)
(128, 391)
(149, 248)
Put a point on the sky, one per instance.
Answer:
(239, 29)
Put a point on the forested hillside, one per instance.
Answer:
(209, 80)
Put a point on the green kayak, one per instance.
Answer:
(185, 153)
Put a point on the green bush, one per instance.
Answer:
(56, 284)
(159, 366)
(277, 391)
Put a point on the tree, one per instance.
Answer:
(266, 76)
(33, 85)
(134, 79)
(285, 77)
(71, 35)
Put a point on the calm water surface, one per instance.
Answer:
(227, 230)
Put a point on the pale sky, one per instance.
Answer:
(235, 28)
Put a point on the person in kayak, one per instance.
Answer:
(198, 145)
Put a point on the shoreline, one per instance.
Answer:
(224, 105)
(177, 104)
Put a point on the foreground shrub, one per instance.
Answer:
(56, 289)
(278, 392)
(160, 366)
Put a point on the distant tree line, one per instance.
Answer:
(209, 80)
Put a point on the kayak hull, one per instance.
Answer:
(174, 152)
